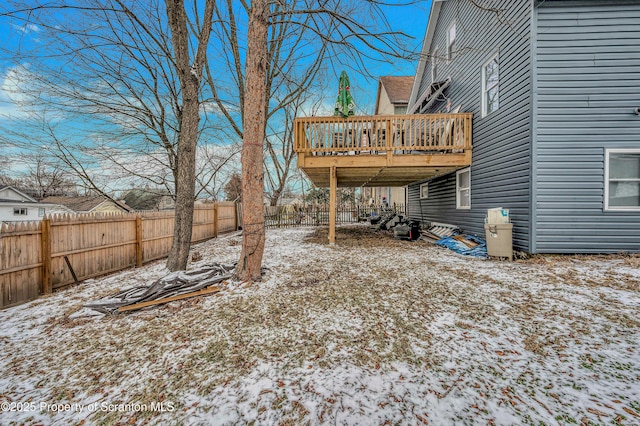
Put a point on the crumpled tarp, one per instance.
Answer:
(460, 247)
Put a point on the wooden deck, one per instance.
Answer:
(392, 150)
(418, 147)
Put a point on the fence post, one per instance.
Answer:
(215, 220)
(47, 287)
(138, 242)
(235, 216)
(279, 213)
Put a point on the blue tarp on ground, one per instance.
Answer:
(462, 248)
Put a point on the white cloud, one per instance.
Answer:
(27, 28)
(12, 97)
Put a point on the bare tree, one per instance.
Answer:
(335, 26)
(147, 93)
(114, 87)
(254, 124)
(233, 188)
(190, 74)
(46, 177)
(279, 145)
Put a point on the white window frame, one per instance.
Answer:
(424, 188)
(41, 211)
(451, 42)
(485, 89)
(434, 65)
(607, 153)
(20, 211)
(459, 189)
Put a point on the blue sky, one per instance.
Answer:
(411, 19)
(16, 36)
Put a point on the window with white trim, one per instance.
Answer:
(463, 189)
(20, 211)
(491, 86)
(424, 191)
(434, 65)
(40, 211)
(451, 40)
(622, 179)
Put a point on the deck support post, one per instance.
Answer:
(333, 189)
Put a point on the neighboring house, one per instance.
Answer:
(290, 201)
(16, 206)
(554, 87)
(392, 99)
(88, 204)
(149, 199)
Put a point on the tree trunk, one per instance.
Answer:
(254, 122)
(185, 184)
(273, 201)
(189, 75)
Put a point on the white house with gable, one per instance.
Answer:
(16, 206)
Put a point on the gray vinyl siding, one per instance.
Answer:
(587, 84)
(500, 171)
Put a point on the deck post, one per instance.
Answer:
(332, 205)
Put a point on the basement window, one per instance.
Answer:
(622, 179)
(424, 191)
(463, 189)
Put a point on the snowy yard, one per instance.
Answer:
(370, 331)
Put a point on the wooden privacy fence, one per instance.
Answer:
(38, 257)
(316, 215)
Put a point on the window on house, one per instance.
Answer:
(463, 189)
(622, 175)
(424, 191)
(399, 110)
(40, 211)
(451, 40)
(490, 86)
(434, 66)
(20, 211)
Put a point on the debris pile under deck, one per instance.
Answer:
(175, 286)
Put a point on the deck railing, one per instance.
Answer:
(418, 133)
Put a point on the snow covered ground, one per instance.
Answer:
(370, 331)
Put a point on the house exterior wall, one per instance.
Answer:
(587, 83)
(8, 193)
(392, 195)
(500, 171)
(34, 212)
(166, 203)
(107, 206)
(385, 107)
